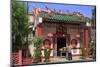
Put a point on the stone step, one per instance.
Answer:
(27, 61)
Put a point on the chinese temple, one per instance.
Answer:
(61, 28)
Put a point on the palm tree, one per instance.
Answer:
(20, 25)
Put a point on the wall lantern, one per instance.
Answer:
(78, 36)
(50, 35)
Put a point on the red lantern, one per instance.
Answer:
(50, 35)
(78, 36)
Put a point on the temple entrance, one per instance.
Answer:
(61, 42)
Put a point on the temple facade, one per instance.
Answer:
(61, 29)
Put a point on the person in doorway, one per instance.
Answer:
(69, 52)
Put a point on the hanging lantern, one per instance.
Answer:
(64, 35)
(50, 35)
(78, 36)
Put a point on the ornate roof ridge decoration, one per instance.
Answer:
(52, 14)
(61, 17)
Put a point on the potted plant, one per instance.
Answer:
(47, 54)
(83, 53)
(92, 49)
(37, 42)
(47, 50)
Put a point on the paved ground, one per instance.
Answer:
(63, 59)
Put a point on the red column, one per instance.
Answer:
(39, 31)
(86, 43)
(20, 57)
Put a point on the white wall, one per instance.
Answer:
(30, 18)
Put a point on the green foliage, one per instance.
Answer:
(91, 48)
(83, 53)
(20, 24)
(37, 56)
(47, 54)
(37, 42)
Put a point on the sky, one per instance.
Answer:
(83, 9)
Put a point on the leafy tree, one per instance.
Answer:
(20, 25)
(37, 42)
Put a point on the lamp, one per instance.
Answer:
(78, 36)
(50, 35)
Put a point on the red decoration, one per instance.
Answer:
(39, 29)
(78, 36)
(50, 35)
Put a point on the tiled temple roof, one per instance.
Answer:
(61, 17)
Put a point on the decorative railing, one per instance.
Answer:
(17, 58)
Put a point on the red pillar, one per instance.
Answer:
(20, 57)
(86, 43)
(39, 31)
